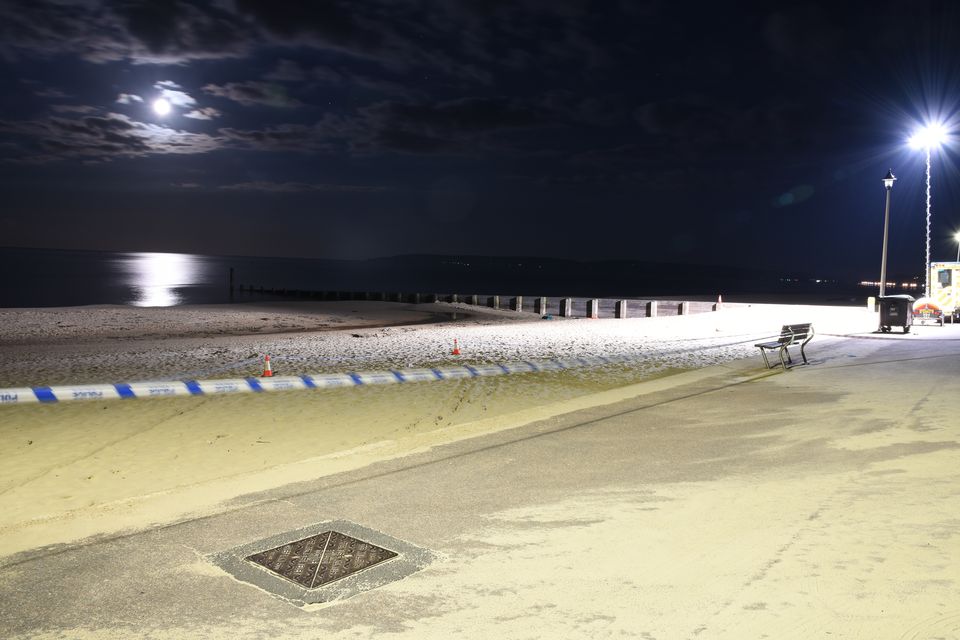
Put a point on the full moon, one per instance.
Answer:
(161, 107)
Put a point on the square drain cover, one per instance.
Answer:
(321, 559)
(323, 562)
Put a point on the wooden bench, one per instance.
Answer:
(790, 335)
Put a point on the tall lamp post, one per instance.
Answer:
(888, 183)
(928, 138)
(956, 237)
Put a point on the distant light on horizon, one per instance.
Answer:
(890, 285)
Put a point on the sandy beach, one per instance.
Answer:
(104, 466)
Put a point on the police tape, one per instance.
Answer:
(132, 390)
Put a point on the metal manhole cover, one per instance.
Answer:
(321, 559)
(323, 562)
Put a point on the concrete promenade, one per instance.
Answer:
(820, 502)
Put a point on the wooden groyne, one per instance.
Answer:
(564, 307)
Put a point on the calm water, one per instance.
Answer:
(54, 278)
(48, 278)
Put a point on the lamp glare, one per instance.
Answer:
(928, 137)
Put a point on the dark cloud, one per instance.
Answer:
(523, 35)
(174, 94)
(459, 39)
(253, 93)
(325, 75)
(461, 116)
(287, 71)
(203, 113)
(104, 138)
(168, 30)
(388, 32)
(463, 126)
(164, 31)
(50, 92)
(73, 108)
(334, 24)
(298, 187)
(128, 98)
(286, 137)
(438, 127)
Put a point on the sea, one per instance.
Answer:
(60, 278)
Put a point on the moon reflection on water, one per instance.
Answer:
(156, 277)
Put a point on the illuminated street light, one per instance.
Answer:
(888, 183)
(928, 138)
(956, 237)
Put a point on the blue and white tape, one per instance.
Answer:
(131, 390)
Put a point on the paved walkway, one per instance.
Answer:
(817, 502)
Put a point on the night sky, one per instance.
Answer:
(745, 133)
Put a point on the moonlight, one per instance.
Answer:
(161, 106)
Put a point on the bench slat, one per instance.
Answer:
(769, 345)
(790, 335)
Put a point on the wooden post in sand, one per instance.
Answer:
(684, 309)
(566, 307)
(593, 308)
(540, 306)
(416, 298)
(517, 303)
(621, 309)
(652, 309)
(475, 300)
(494, 302)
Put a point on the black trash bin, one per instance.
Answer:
(896, 311)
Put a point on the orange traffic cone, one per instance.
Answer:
(456, 348)
(267, 371)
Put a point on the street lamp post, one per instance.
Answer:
(888, 183)
(928, 138)
(926, 264)
(956, 237)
